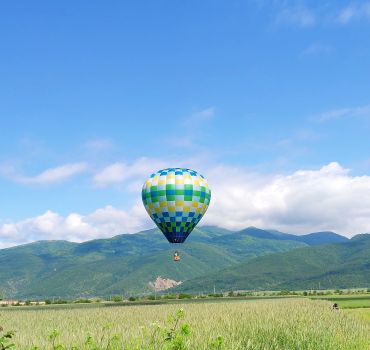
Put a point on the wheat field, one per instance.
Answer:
(256, 325)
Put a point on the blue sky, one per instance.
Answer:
(94, 96)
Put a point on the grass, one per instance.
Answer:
(362, 313)
(349, 301)
(255, 325)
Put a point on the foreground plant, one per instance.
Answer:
(217, 344)
(53, 339)
(6, 339)
(176, 334)
(106, 342)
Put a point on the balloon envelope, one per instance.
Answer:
(176, 199)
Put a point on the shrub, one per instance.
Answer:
(82, 301)
(185, 296)
(117, 298)
(284, 292)
(169, 296)
(216, 295)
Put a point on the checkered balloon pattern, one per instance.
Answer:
(176, 199)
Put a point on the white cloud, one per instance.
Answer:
(305, 201)
(47, 177)
(104, 222)
(354, 11)
(111, 174)
(132, 175)
(352, 112)
(118, 173)
(300, 16)
(329, 198)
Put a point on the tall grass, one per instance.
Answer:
(258, 325)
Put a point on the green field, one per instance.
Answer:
(349, 301)
(280, 324)
(357, 305)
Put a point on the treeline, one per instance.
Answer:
(182, 296)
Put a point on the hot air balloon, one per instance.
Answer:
(176, 199)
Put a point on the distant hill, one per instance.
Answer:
(124, 264)
(318, 238)
(338, 265)
(315, 238)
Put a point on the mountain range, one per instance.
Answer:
(127, 264)
(328, 266)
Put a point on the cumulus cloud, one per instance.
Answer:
(104, 222)
(48, 176)
(305, 201)
(329, 198)
(111, 174)
(118, 173)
